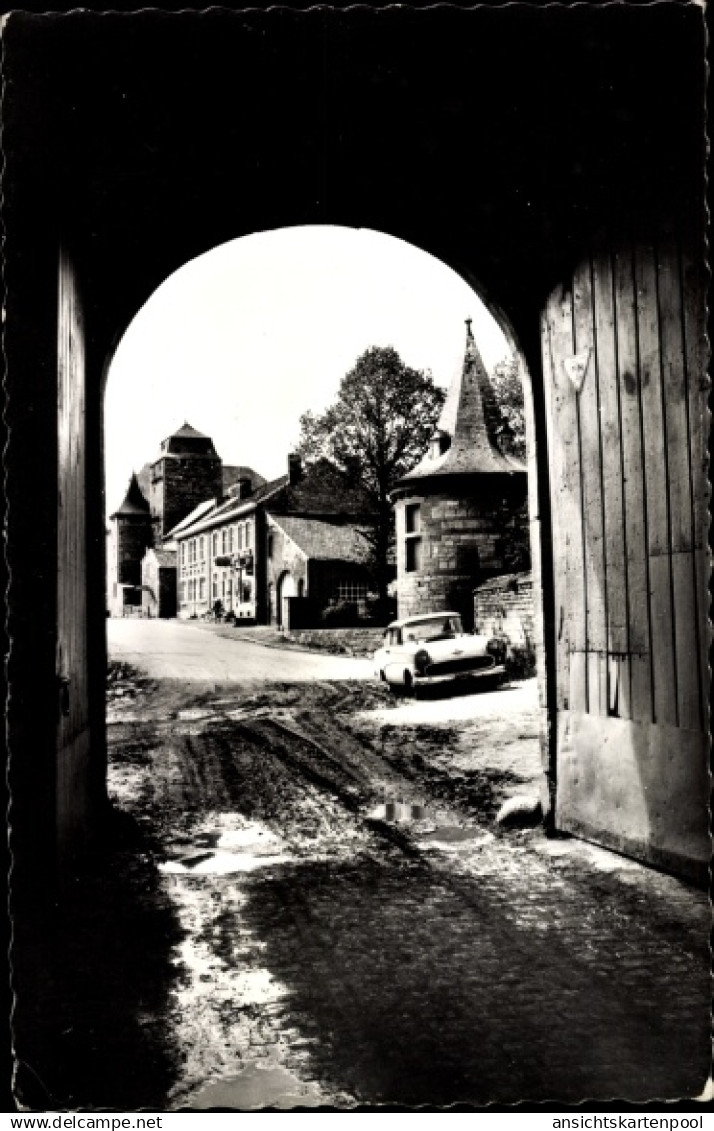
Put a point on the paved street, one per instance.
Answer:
(320, 909)
(173, 649)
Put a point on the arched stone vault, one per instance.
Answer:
(534, 148)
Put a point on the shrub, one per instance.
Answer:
(341, 614)
(521, 661)
(380, 611)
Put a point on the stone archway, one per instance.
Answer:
(387, 141)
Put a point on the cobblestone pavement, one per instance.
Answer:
(355, 929)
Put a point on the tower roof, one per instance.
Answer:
(187, 430)
(187, 441)
(464, 442)
(134, 501)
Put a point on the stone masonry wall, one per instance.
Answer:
(186, 482)
(504, 606)
(460, 543)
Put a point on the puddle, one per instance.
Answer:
(222, 864)
(455, 834)
(190, 714)
(231, 850)
(250, 838)
(256, 1087)
(452, 836)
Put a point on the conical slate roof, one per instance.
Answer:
(464, 441)
(134, 501)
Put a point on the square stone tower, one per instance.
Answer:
(187, 472)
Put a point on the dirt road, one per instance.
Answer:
(312, 905)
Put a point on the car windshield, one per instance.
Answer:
(436, 628)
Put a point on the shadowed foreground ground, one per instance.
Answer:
(316, 907)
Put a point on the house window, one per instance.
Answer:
(202, 549)
(239, 537)
(412, 541)
(202, 589)
(248, 535)
(271, 545)
(353, 592)
(183, 553)
(215, 545)
(230, 539)
(412, 515)
(413, 555)
(224, 541)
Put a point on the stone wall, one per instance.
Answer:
(461, 543)
(158, 595)
(504, 606)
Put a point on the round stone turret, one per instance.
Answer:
(457, 509)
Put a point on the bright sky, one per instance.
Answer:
(243, 340)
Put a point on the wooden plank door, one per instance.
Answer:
(625, 383)
(73, 776)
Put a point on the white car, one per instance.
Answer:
(422, 650)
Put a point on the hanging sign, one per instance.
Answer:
(577, 366)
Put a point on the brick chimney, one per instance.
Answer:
(294, 468)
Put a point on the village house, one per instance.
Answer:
(278, 555)
(317, 548)
(219, 553)
(463, 506)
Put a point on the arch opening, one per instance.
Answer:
(269, 322)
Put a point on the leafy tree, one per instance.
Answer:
(514, 542)
(377, 429)
(508, 388)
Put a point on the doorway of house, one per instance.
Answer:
(286, 590)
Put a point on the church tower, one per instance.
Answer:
(458, 507)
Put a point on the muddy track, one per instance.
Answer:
(301, 755)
